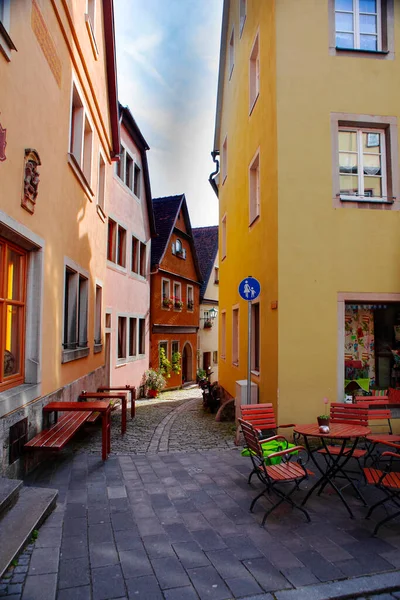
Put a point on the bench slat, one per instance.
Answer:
(57, 436)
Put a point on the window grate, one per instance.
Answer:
(18, 438)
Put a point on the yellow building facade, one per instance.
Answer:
(306, 129)
(58, 137)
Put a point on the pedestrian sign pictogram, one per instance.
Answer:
(249, 288)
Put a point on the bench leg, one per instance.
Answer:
(123, 416)
(133, 411)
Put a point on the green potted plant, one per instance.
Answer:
(165, 365)
(324, 419)
(154, 382)
(167, 302)
(176, 363)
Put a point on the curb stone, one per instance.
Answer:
(349, 588)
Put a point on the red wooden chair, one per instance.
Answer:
(388, 481)
(262, 417)
(347, 414)
(286, 472)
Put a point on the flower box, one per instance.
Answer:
(167, 302)
(207, 324)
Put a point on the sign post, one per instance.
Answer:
(249, 290)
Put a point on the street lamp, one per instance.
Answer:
(212, 313)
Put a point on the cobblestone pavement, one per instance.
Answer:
(156, 524)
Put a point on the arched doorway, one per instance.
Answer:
(187, 363)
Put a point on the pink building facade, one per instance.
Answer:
(130, 228)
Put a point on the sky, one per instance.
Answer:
(167, 65)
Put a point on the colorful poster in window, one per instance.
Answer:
(360, 344)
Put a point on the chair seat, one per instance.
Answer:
(391, 480)
(384, 437)
(286, 471)
(358, 453)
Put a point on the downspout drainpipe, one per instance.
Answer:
(213, 175)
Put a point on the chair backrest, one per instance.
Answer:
(261, 416)
(349, 414)
(252, 443)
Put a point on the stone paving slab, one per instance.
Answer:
(176, 526)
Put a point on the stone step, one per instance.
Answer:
(9, 489)
(16, 526)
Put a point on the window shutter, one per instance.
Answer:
(184, 253)
(173, 248)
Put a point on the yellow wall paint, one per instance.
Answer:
(250, 250)
(303, 250)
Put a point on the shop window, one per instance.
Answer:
(12, 313)
(254, 83)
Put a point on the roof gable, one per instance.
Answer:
(206, 243)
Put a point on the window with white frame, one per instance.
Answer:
(121, 246)
(223, 237)
(136, 181)
(174, 348)
(97, 315)
(166, 293)
(235, 336)
(139, 257)
(132, 342)
(231, 52)
(177, 296)
(255, 338)
(190, 297)
(254, 189)
(81, 136)
(128, 171)
(362, 164)
(358, 24)
(75, 310)
(143, 260)
(242, 14)
(223, 334)
(120, 165)
(122, 339)
(101, 183)
(254, 83)
(116, 243)
(224, 160)
(6, 44)
(142, 336)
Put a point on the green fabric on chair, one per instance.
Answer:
(270, 448)
(362, 383)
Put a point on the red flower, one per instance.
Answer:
(360, 332)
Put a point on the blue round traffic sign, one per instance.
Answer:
(249, 288)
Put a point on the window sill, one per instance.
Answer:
(97, 348)
(127, 188)
(101, 213)
(18, 396)
(254, 221)
(361, 51)
(112, 265)
(138, 277)
(81, 177)
(70, 355)
(235, 364)
(6, 43)
(365, 199)
(255, 373)
(131, 359)
(89, 28)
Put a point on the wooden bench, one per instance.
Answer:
(58, 435)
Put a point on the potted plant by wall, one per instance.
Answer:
(176, 363)
(178, 303)
(207, 324)
(154, 382)
(324, 419)
(165, 365)
(167, 302)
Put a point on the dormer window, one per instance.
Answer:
(178, 249)
(178, 246)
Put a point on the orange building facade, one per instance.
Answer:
(175, 291)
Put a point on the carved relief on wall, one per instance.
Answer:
(3, 143)
(31, 180)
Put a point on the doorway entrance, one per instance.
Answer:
(206, 361)
(187, 363)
